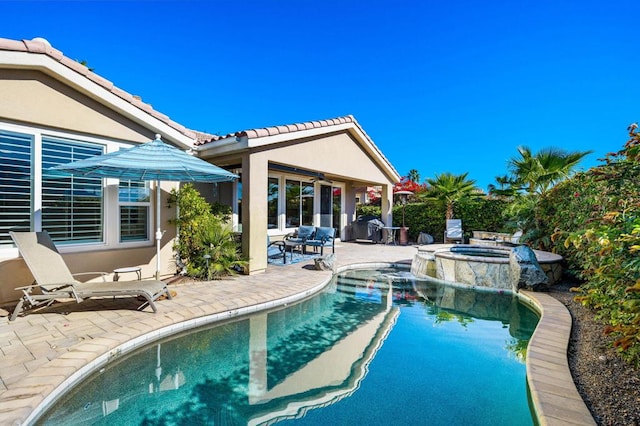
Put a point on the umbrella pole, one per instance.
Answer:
(158, 230)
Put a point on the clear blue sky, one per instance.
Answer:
(440, 86)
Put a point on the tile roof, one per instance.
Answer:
(204, 138)
(42, 46)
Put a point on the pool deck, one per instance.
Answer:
(45, 352)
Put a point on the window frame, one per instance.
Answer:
(52, 187)
(302, 183)
(146, 204)
(110, 199)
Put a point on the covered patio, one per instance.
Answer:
(299, 174)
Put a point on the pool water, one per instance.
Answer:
(377, 348)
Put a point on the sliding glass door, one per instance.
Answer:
(331, 207)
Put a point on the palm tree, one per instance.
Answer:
(504, 187)
(538, 173)
(414, 176)
(450, 188)
(532, 176)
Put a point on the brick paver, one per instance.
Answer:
(44, 350)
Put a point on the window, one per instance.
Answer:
(71, 205)
(272, 203)
(330, 206)
(15, 184)
(135, 203)
(337, 207)
(299, 202)
(302, 203)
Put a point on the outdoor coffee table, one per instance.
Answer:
(136, 269)
(290, 246)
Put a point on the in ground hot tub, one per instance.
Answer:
(477, 265)
(474, 265)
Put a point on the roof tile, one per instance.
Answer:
(277, 130)
(35, 46)
(272, 131)
(99, 80)
(122, 94)
(258, 132)
(13, 45)
(74, 65)
(290, 128)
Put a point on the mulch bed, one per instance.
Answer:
(609, 386)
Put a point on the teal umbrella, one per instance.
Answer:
(153, 160)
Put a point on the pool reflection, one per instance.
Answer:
(271, 366)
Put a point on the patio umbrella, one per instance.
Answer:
(153, 160)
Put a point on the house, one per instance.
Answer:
(54, 110)
(299, 174)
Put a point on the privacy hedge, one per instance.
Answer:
(594, 222)
(429, 216)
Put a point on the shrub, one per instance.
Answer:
(218, 254)
(428, 216)
(205, 245)
(368, 210)
(593, 220)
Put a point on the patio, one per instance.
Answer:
(41, 351)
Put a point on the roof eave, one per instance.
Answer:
(104, 93)
(233, 144)
(230, 144)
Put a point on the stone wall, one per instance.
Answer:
(489, 272)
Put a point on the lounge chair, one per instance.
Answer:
(323, 237)
(54, 280)
(454, 233)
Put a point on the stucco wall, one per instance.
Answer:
(335, 154)
(34, 97)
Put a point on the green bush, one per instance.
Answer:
(205, 245)
(368, 210)
(218, 254)
(421, 217)
(482, 214)
(429, 216)
(593, 220)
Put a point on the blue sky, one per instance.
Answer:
(440, 86)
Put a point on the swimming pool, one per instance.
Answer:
(375, 347)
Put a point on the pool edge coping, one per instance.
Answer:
(554, 395)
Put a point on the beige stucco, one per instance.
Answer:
(36, 98)
(336, 155)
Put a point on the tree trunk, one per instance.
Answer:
(449, 213)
